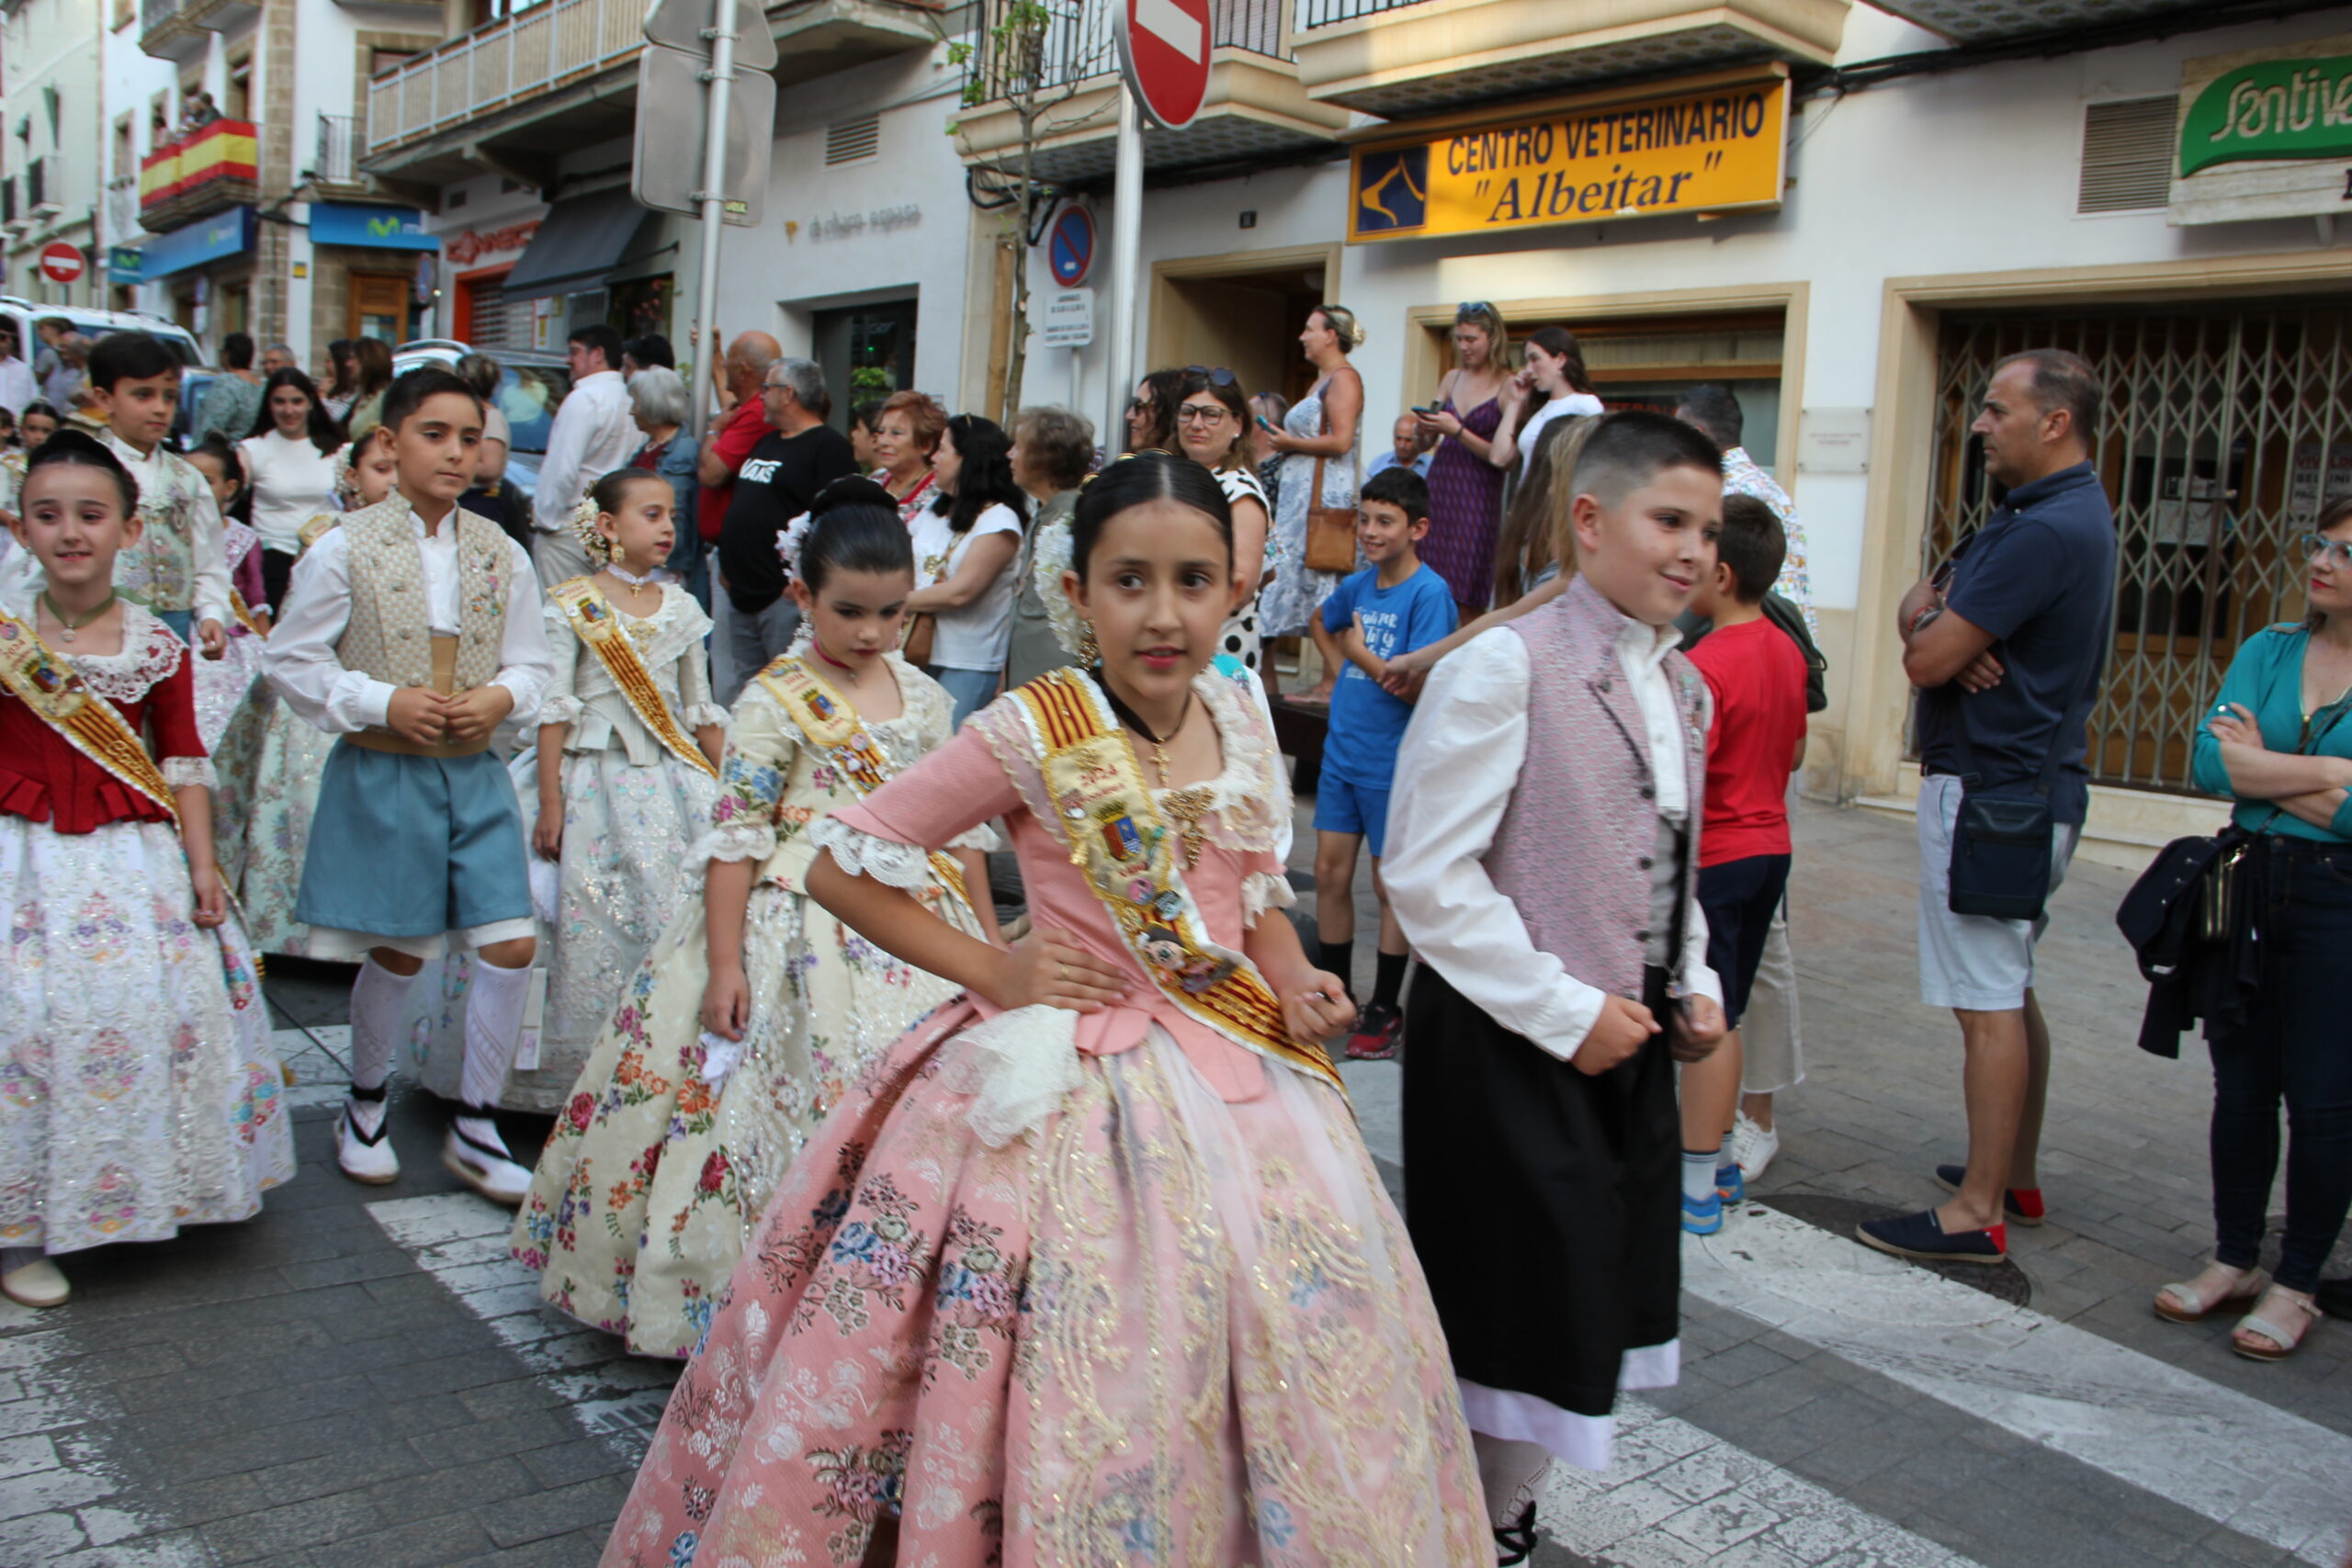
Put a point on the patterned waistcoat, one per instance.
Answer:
(1572, 851)
(159, 572)
(389, 637)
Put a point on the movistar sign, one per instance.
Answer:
(2275, 108)
(381, 228)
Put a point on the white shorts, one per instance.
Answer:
(1974, 962)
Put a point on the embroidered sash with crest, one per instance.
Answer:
(1130, 855)
(832, 726)
(599, 626)
(34, 672)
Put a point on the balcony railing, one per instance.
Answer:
(1323, 13)
(336, 162)
(1077, 44)
(197, 175)
(523, 55)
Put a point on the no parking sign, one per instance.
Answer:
(1070, 246)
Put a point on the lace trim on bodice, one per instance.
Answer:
(150, 653)
(861, 853)
(900, 741)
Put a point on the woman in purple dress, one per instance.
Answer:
(1467, 472)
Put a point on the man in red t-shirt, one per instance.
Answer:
(739, 375)
(1757, 676)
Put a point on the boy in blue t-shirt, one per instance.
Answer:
(1394, 607)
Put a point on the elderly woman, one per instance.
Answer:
(906, 437)
(2278, 744)
(1053, 451)
(657, 401)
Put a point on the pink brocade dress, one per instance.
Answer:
(1175, 1321)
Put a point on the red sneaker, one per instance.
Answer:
(1379, 1033)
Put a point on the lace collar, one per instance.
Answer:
(150, 651)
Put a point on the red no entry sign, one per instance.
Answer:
(1164, 49)
(61, 262)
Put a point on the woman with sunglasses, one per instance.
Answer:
(1213, 429)
(1476, 403)
(1151, 412)
(1319, 428)
(2278, 742)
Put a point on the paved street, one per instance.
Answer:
(359, 1377)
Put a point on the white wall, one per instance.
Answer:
(129, 81)
(55, 43)
(776, 277)
(1974, 171)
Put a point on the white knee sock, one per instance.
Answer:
(1509, 1471)
(494, 1004)
(377, 998)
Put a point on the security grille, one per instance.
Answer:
(2127, 155)
(489, 330)
(2224, 431)
(853, 139)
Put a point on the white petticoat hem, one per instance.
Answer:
(1584, 1441)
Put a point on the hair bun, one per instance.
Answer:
(850, 489)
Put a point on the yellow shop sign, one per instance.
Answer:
(1709, 150)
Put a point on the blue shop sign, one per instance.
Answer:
(229, 234)
(383, 228)
(124, 264)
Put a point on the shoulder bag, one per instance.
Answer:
(1330, 530)
(2002, 843)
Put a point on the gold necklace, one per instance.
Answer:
(68, 625)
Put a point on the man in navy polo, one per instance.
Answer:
(2006, 656)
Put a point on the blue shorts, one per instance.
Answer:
(1344, 807)
(414, 846)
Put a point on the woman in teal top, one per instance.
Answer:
(2278, 742)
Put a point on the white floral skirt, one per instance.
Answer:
(278, 830)
(138, 1088)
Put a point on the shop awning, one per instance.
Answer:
(577, 245)
(223, 234)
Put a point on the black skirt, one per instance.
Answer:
(1544, 1201)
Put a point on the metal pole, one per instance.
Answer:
(721, 77)
(1126, 256)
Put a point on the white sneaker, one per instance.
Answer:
(477, 1155)
(1752, 1145)
(40, 1283)
(364, 1152)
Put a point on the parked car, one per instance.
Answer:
(94, 323)
(531, 384)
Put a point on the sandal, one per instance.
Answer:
(2195, 1306)
(2282, 1344)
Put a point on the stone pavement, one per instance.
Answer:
(360, 1377)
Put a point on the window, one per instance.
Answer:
(126, 156)
(238, 100)
(2127, 155)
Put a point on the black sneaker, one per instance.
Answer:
(1379, 1031)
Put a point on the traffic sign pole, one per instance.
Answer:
(1126, 256)
(721, 77)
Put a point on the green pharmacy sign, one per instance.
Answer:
(2277, 108)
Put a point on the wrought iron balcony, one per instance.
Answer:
(1066, 71)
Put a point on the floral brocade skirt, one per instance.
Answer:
(139, 1091)
(1158, 1328)
(654, 1179)
(293, 758)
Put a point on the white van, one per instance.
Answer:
(94, 324)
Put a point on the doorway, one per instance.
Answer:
(1243, 311)
(381, 307)
(867, 352)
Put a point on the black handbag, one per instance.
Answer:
(2003, 843)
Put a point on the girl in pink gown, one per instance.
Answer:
(1093, 1266)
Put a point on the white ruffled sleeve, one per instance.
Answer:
(753, 773)
(181, 772)
(559, 703)
(868, 854)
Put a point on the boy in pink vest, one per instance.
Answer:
(1543, 861)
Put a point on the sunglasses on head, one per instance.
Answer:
(1219, 374)
(1479, 309)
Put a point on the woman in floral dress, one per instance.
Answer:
(1092, 1267)
(623, 789)
(756, 1010)
(1319, 429)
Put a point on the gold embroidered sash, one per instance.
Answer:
(1129, 854)
(599, 626)
(32, 672)
(832, 726)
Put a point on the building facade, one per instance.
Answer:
(1870, 210)
(50, 160)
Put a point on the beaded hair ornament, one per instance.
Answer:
(582, 522)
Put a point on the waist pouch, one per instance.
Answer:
(2001, 851)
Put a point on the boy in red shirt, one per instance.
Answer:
(1757, 676)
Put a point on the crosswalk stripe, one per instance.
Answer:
(1676, 1494)
(2263, 1471)
(460, 1240)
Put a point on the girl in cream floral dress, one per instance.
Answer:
(626, 772)
(756, 1010)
